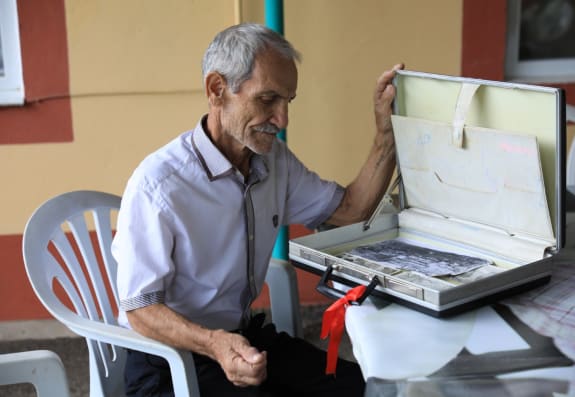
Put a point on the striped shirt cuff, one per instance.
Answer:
(142, 301)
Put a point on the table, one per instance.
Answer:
(522, 346)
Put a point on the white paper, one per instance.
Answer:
(491, 334)
(397, 343)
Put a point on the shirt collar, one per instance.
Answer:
(259, 168)
(215, 164)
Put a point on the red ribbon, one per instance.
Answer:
(333, 323)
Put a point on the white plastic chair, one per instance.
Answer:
(60, 254)
(42, 368)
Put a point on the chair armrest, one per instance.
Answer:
(42, 368)
(181, 362)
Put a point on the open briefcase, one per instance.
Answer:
(480, 193)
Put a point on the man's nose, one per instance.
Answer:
(280, 115)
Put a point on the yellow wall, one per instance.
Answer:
(136, 83)
(346, 45)
(135, 80)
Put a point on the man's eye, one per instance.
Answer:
(268, 100)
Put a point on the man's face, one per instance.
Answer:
(255, 114)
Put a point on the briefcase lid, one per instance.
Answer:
(487, 152)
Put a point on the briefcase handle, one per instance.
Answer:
(334, 293)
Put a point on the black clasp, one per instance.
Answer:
(333, 293)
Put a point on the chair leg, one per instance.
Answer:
(42, 368)
(282, 282)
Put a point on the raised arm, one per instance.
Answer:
(364, 193)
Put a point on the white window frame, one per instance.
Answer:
(548, 71)
(11, 80)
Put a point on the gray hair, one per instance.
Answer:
(233, 51)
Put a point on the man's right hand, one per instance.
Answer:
(242, 363)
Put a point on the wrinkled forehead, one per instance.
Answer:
(273, 71)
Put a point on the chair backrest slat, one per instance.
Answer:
(64, 248)
(102, 221)
(68, 286)
(82, 236)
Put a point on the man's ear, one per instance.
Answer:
(215, 86)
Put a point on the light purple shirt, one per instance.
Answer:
(189, 227)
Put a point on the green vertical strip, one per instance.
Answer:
(274, 14)
(274, 17)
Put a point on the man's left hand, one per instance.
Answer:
(383, 98)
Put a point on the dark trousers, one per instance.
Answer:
(295, 368)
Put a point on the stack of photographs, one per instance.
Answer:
(439, 270)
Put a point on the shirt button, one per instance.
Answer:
(251, 237)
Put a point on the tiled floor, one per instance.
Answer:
(74, 353)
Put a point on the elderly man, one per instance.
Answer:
(199, 218)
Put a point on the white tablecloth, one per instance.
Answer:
(394, 342)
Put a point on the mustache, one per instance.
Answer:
(267, 128)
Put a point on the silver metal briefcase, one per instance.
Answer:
(480, 191)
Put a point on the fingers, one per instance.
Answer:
(245, 373)
(383, 98)
(388, 75)
(252, 355)
(398, 66)
(384, 81)
(242, 363)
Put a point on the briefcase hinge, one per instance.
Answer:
(386, 200)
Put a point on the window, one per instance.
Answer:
(11, 80)
(540, 41)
